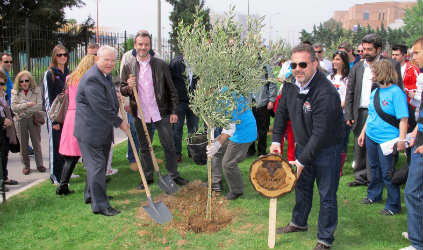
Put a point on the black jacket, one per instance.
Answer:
(53, 84)
(164, 90)
(177, 70)
(316, 117)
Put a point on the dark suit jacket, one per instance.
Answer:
(97, 108)
(353, 95)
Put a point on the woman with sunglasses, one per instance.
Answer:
(69, 147)
(27, 107)
(339, 79)
(53, 84)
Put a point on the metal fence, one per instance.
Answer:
(31, 45)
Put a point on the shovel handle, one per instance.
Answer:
(147, 136)
(272, 222)
(134, 149)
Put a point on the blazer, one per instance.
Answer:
(355, 82)
(97, 108)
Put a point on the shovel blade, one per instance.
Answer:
(167, 184)
(158, 211)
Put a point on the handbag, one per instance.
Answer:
(398, 176)
(59, 107)
(15, 148)
(392, 119)
(38, 118)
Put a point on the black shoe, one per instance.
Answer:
(232, 196)
(88, 201)
(63, 189)
(141, 185)
(368, 201)
(108, 212)
(180, 181)
(356, 184)
(108, 179)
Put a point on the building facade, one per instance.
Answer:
(373, 14)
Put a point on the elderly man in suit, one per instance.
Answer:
(357, 99)
(97, 109)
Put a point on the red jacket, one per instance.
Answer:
(409, 78)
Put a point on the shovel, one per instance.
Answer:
(158, 211)
(166, 183)
(272, 222)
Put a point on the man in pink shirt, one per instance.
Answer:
(158, 100)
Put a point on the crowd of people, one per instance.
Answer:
(319, 103)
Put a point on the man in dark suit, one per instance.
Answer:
(97, 109)
(357, 99)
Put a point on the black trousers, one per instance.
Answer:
(56, 159)
(262, 116)
(362, 169)
(165, 132)
(4, 154)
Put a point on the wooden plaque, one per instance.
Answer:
(272, 176)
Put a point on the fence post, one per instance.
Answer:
(27, 45)
(124, 44)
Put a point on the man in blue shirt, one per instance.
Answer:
(6, 64)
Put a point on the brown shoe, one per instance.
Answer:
(134, 167)
(159, 161)
(290, 229)
(41, 169)
(321, 246)
(26, 171)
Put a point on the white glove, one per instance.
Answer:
(213, 148)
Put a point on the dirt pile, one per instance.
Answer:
(188, 207)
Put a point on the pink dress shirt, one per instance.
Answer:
(146, 93)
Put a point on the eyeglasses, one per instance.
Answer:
(8, 62)
(318, 51)
(22, 81)
(62, 54)
(302, 65)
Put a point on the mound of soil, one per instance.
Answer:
(188, 207)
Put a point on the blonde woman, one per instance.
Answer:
(393, 102)
(26, 103)
(69, 147)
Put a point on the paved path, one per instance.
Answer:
(26, 181)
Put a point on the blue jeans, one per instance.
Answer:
(325, 170)
(130, 155)
(413, 195)
(379, 171)
(178, 128)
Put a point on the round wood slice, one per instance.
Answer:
(272, 176)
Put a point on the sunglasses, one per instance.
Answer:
(302, 65)
(22, 81)
(62, 54)
(359, 51)
(319, 51)
(8, 62)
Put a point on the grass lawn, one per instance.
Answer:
(39, 219)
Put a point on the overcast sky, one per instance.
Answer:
(286, 17)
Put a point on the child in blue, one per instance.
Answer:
(393, 101)
(231, 147)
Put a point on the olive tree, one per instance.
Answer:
(229, 63)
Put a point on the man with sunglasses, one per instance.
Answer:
(325, 64)
(6, 64)
(357, 100)
(313, 105)
(360, 51)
